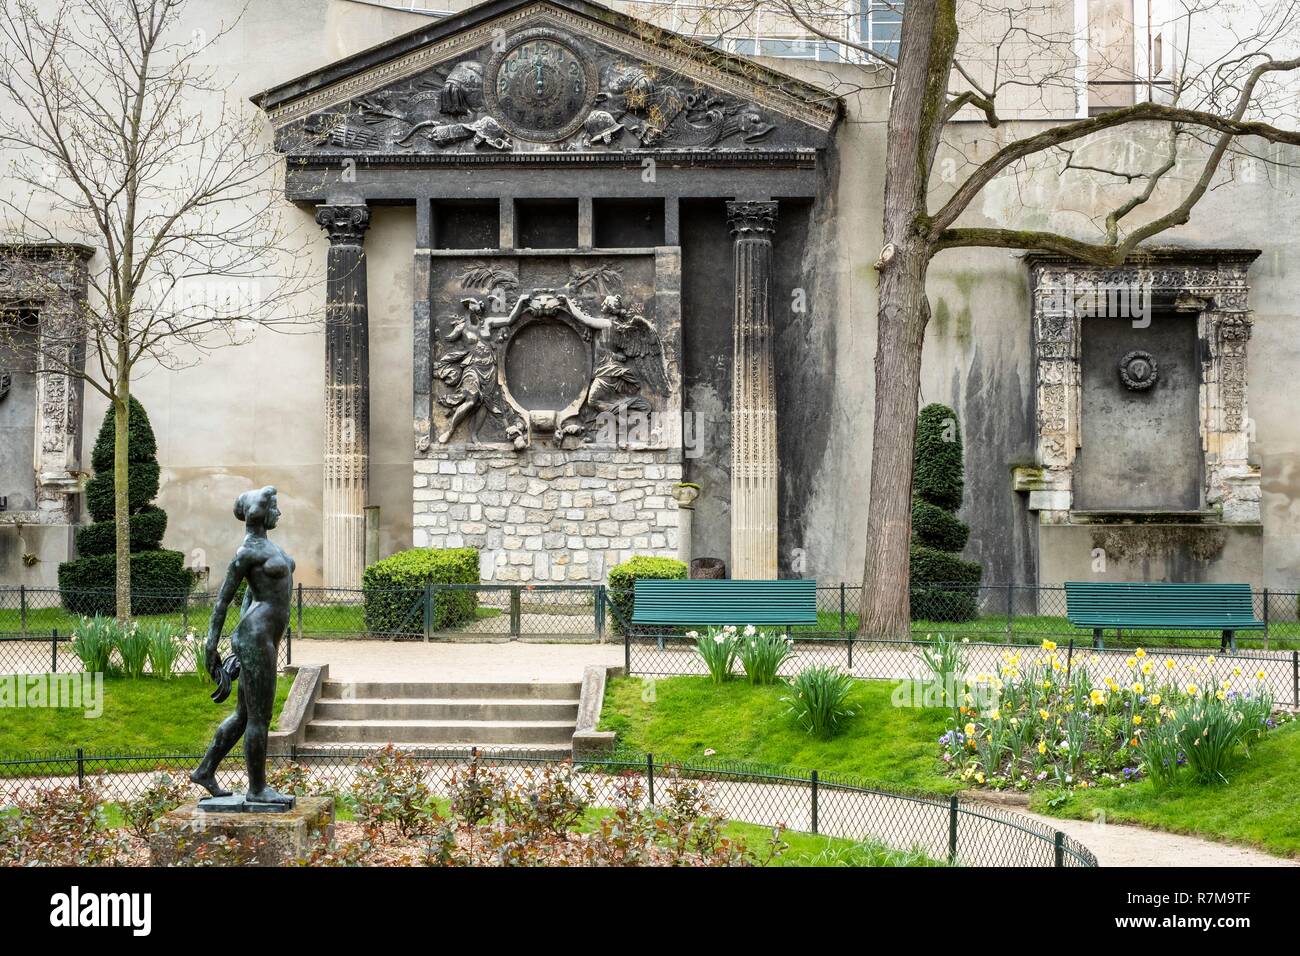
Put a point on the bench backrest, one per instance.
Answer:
(1215, 605)
(707, 601)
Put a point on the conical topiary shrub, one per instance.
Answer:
(943, 586)
(159, 578)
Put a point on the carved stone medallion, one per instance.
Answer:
(540, 87)
(1138, 371)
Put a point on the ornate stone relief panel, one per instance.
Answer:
(51, 280)
(545, 80)
(529, 350)
(1213, 284)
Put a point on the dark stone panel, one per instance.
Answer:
(805, 376)
(707, 307)
(628, 223)
(995, 411)
(546, 223)
(1140, 448)
(18, 424)
(466, 224)
(547, 365)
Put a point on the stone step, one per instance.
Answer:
(398, 732)
(518, 690)
(321, 753)
(446, 708)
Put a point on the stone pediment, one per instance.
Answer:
(522, 77)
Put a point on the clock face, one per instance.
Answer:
(540, 88)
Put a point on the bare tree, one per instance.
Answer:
(965, 59)
(121, 138)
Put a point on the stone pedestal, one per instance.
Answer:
(347, 394)
(753, 395)
(280, 838)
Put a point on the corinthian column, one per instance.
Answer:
(753, 395)
(347, 394)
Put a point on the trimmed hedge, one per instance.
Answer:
(141, 445)
(394, 589)
(142, 487)
(935, 528)
(938, 535)
(147, 530)
(160, 583)
(623, 578)
(95, 568)
(937, 469)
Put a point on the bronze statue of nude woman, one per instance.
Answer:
(255, 645)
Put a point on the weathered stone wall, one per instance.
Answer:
(547, 515)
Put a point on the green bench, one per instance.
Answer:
(705, 602)
(1227, 608)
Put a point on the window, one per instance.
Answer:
(880, 25)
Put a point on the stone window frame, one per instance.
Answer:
(51, 278)
(1211, 283)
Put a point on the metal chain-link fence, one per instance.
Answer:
(943, 828)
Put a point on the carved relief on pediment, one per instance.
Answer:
(545, 87)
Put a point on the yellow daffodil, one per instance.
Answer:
(1155, 700)
(1192, 690)
(1169, 663)
(1137, 720)
(1049, 645)
(970, 730)
(1259, 674)
(1220, 695)
(1137, 687)
(1043, 714)
(1131, 663)
(1139, 653)
(1042, 747)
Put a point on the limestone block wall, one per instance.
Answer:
(554, 516)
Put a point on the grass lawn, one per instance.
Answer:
(891, 746)
(144, 713)
(1260, 804)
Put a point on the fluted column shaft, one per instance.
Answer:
(753, 395)
(347, 394)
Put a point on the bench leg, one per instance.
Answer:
(1097, 641)
(1229, 639)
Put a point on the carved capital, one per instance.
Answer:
(754, 219)
(345, 224)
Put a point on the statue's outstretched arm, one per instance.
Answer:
(581, 315)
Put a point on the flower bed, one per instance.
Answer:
(1044, 720)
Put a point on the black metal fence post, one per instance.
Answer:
(627, 653)
(1295, 678)
(428, 610)
(288, 646)
(1266, 603)
(952, 830)
(650, 777)
(81, 767)
(1069, 658)
(1059, 846)
(185, 611)
(599, 604)
(516, 613)
(22, 608)
(300, 609)
(842, 614)
(54, 650)
(814, 802)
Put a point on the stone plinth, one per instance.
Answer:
(283, 837)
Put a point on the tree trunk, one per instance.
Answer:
(903, 314)
(121, 496)
(916, 118)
